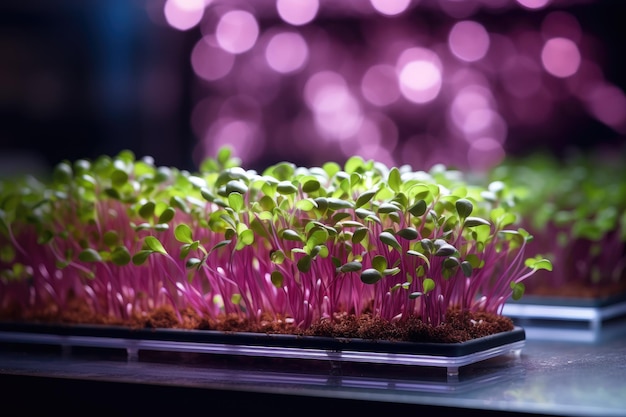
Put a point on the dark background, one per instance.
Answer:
(73, 85)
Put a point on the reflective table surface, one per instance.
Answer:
(559, 371)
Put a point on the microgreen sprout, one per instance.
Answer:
(307, 243)
(575, 207)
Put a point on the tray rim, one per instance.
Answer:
(335, 350)
(63, 331)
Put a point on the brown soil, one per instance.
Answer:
(458, 326)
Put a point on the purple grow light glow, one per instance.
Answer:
(414, 82)
(390, 7)
(286, 52)
(153, 75)
(469, 41)
(297, 12)
(237, 31)
(209, 61)
(560, 57)
(184, 14)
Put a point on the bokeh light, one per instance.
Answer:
(336, 111)
(297, 12)
(419, 73)
(379, 85)
(608, 104)
(469, 41)
(534, 4)
(453, 82)
(237, 31)
(560, 57)
(184, 14)
(390, 7)
(286, 52)
(209, 61)
(419, 82)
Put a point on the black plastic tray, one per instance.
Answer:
(553, 311)
(447, 355)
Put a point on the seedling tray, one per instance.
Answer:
(561, 312)
(335, 351)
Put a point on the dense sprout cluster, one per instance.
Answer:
(575, 208)
(127, 236)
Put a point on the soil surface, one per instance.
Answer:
(458, 326)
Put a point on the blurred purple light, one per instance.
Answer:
(390, 7)
(521, 76)
(379, 85)
(243, 135)
(384, 79)
(297, 12)
(484, 152)
(560, 57)
(373, 140)
(336, 112)
(534, 4)
(459, 9)
(469, 99)
(419, 74)
(184, 14)
(210, 62)
(608, 104)
(468, 41)
(286, 52)
(237, 31)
